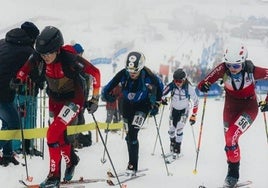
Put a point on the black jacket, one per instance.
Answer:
(14, 51)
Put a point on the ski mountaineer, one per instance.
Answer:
(142, 91)
(240, 106)
(183, 97)
(66, 97)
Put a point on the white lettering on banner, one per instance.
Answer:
(138, 120)
(243, 123)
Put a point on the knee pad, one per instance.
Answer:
(133, 142)
(53, 145)
(230, 148)
(171, 131)
(180, 125)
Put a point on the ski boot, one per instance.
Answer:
(230, 182)
(5, 160)
(232, 175)
(130, 171)
(51, 182)
(177, 150)
(69, 171)
(35, 152)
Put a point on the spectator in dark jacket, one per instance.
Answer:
(15, 49)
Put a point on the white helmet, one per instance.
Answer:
(235, 54)
(135, 62)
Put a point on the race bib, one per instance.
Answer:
(243, 123)
(138, 120)
(67, 113)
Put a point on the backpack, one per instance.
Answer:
(72, 69)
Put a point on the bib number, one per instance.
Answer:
(243, 123)
(138, 120)
(67, 113)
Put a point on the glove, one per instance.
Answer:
(164, 101)
(92, 104)
(192, 119)
(205, 87)
(16, 84)
(107, 97)
(263, 106)
(154, 110)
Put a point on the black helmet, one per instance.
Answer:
(135, 62)
(49, 40)
(179, 74)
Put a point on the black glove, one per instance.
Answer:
(154, 110)
(16, 84)
(164, 101)
(192, 119)
(92, 104)
(263, 106)
(205, 87)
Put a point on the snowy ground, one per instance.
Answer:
(99, 26)
(211, 169)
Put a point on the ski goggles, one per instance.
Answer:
(133, 70)
(178, 81)
(234, 66)
(47, 54)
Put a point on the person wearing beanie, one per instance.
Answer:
(15, 49)
(31, 29)
(29, 96)
(79, 49)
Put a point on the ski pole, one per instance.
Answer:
(160, 141)
(109, 157)
(193, 137)
(200, 133)
(22, 137)
(265, 125)
(103, 160)
(159, 128)
(265, 121)
(43, 121)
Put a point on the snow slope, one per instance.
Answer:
(100, 26)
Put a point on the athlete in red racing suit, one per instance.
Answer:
(241, 107)
(66, 96)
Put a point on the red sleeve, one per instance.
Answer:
(260, 73)
(95, 73)
(22, 74)
(214, 75)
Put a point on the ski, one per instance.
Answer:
(243, 184)
(171, 158)
(65, 184)
(167, 154)
(111, 175)
(125, 179)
